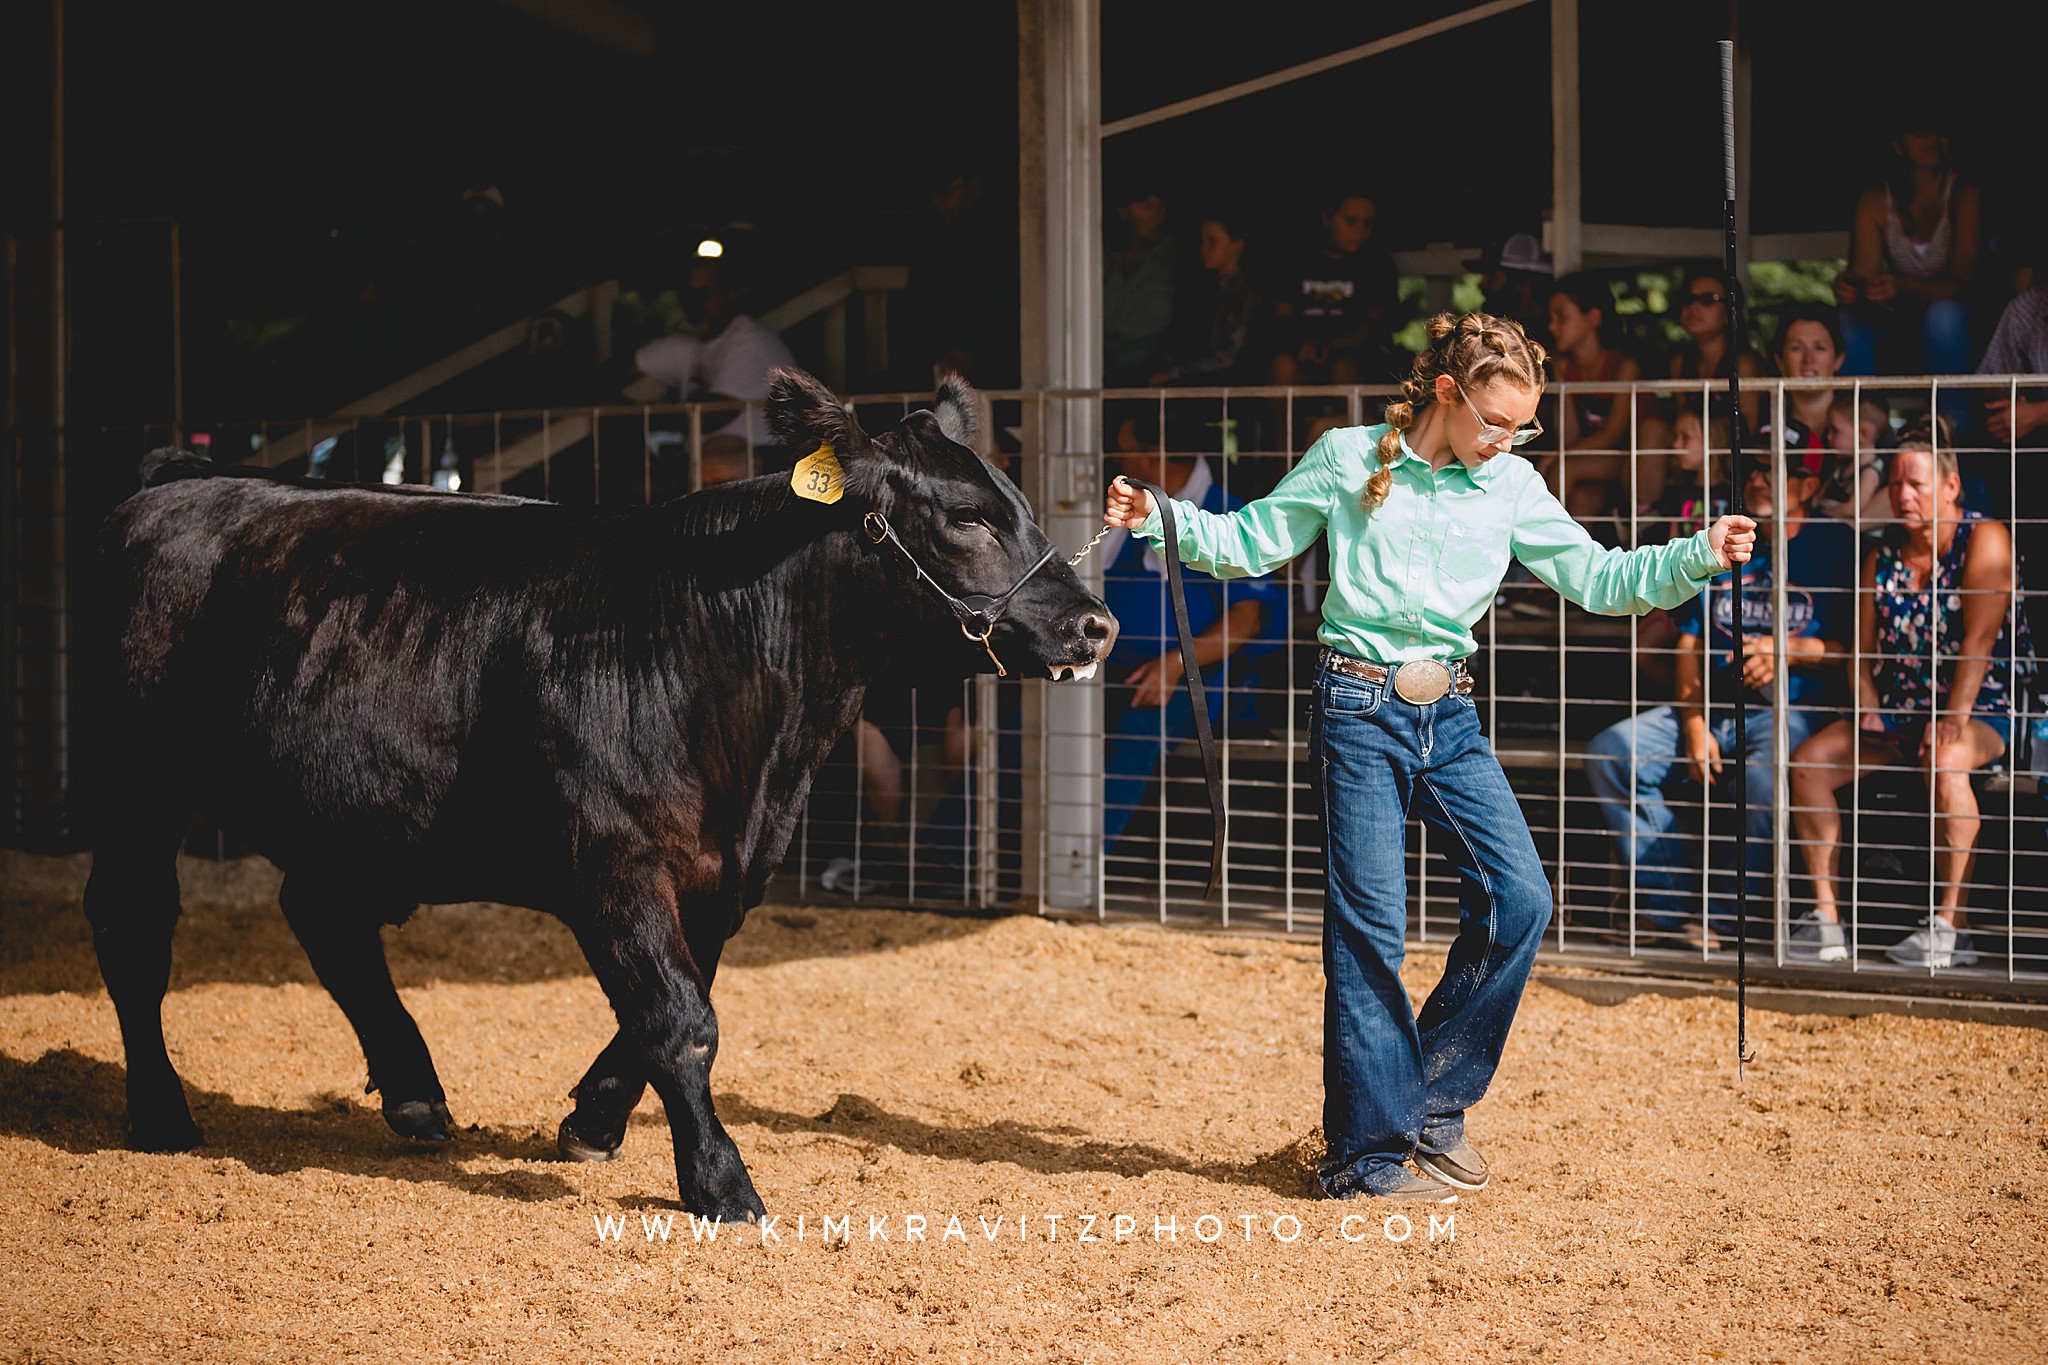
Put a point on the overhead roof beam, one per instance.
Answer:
(604, 22)
(1314, 68)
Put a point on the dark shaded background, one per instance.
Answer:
(311, 151)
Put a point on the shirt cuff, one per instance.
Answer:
(1153, 529)
(1701, 562)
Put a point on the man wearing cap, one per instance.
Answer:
(1515, 272)
(727, 355)
(1629, 764)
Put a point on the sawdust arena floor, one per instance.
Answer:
(1873, 1189)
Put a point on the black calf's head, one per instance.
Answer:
(932, 503)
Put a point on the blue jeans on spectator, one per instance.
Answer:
(1394, 1080)
(1944, 337)
(1666, 860)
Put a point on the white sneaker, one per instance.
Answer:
(1816, 940)
(1939, 945)
(841, 875)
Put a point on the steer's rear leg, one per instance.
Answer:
(339, 932)
(131, 900)
(636, 946)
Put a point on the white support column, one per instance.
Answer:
(1059, 117)
(1566, 247)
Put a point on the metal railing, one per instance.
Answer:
(990, 793)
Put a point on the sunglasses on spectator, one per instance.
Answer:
(1491, 433)
(1798, 465)
(1703, 300)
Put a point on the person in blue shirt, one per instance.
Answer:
(1235, 624)
(1630, 764)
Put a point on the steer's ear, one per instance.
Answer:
(803, 412)
(958, 413)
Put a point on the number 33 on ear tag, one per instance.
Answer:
(817, 476)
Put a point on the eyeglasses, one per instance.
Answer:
(1703, 300)
(1491, 434)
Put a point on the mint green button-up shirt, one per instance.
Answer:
(1409, 579)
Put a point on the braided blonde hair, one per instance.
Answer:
(1474, 350)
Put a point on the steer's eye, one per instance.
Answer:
(970, 519)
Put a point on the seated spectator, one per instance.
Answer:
(726, 356)
(1216, 316)
(1808, 346)
(1912, 252)
(1334, 310)
(1139, 282)
(1631, 764)
(1594, 432)
(1954, 717)
(1514, 275)
(1710, 352)
(2019, 346)
(1684, 504)
(1235, 623)
(1859, 432)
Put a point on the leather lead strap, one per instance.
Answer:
(1191, 674)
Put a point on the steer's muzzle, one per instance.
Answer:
(1085, 639)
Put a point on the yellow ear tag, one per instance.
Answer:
(817, 476)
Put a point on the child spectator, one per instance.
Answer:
(1912, 252)
(1710, 352)
(1594, 429)
(1939, 690)
(1138, 287)
(1686, 504)
(1859, 431)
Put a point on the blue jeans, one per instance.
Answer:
(1665, 859)
(1943, 328)
(1393, 1080)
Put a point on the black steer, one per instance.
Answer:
(613, 716)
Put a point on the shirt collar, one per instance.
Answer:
(1482, 476)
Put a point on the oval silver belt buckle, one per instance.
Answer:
(1422, 681)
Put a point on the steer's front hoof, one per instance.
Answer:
(575, 1147)
(420, 1120)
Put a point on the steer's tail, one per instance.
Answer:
(168, 464)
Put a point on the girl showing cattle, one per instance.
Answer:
(1422, 513)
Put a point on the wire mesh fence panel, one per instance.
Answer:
(1911, 551)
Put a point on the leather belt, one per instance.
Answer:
(1420, 681)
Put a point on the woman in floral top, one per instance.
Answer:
(1939, 691)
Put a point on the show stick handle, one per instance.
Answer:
(1727, 118)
